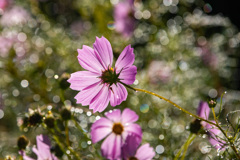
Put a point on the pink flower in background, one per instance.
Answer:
(5, 45)
(3, 4)
(43, 150)
(130, 151)
(101, 83)
(124, 17)
(15, 16)
(213, 136)
(159, 72)
(115, 127)
(203, 112)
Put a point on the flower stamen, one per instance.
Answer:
(117, 128)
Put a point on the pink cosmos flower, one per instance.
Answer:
(213, 137)
(159, 72)
(130, 151)
(203, 111)
(14, 16)
(115, 127)
(43, 149)
(102, 83)
(124, 19)
(3, 4)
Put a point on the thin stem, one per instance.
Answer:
(188, 142)
(174, 104)
(80, 128)
(221, 104)
(191, 114)
(214, 115)
(183, 147)
(67, 133)
(61, 145)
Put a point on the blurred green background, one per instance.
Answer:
(181, 53)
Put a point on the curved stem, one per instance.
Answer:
(191, 114)
(171, 102)
(189, 141)
(214, 115)
(184, 146)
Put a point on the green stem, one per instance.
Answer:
(191, 114)
(174, 104)
(181, 149)
(67, 133)
(62, 145)
(80, 128)
(214, 115)
(188, 142)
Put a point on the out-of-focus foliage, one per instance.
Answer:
(181, 52)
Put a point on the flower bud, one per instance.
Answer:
(195, 126)
(63, 81)
(212, 103)
(66, 114)
(57, 150)
(50, 122)
(35, 119)
(22, 142)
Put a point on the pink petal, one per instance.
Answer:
(118, 93)
(203, 110)
(102, 122)
(114, 115)
(128, 75)
(114, 95)
(101, 100)
(129, 116)
(85, 96)
(82, 79)
(133, 129)
(125, 59)
(88, 60)
(145, 152)
(111, 147)
(130, 146)
(123, 92)
(103, 49)
(213, 133)
(43, 146)
(100, 129)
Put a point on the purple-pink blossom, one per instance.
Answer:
(203, 111)
(43, 150)
(14, 16)
(213, 133)
(132, 152)
(3, 4)
(115, 127)
(124, 17)
(102, 83)
(213, 136)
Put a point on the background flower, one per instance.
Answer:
(43, 150)
(214, 137)
(130, 151)
(115, 127)
(124, 17)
